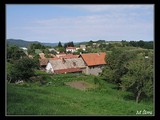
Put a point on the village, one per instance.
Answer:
(96, 68)
(67, 62)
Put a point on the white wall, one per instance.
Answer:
(49, 68)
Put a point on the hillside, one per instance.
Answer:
(58, 98)
(23, 43)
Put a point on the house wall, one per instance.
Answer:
(49, 68)
(94, 70)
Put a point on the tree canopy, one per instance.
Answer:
(131, 71)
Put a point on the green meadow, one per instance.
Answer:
(51, 96)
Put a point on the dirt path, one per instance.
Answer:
(82, 85)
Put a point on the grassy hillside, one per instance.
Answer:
(57, 98)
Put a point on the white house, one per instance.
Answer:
(66, 65)
(71, 49)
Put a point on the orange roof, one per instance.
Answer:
(92, 59)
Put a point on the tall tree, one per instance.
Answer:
(139, 78)
(59, 44)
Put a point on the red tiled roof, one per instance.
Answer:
(69, 70)
(69, 56)
(92, 59)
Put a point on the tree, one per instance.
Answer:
(139, 78)
(133, 43)
(69, 44)
(53, 52)
(61, 49)
(124, 43)
(116, 65)
(14, 53)
(141, 43)
(32, 47)
(59, 44)
(22, 69)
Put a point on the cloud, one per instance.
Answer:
(110, 7)
(109, 23)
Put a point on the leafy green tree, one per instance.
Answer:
(124, 43)
(53, 52)
(133, 43)
(32, 47)
(69, 44)
(139, 78)
(141, 43)
(36, 56)
(14, 53)
(116, 65)
(61, 49)
(22, 69)
(10, 70)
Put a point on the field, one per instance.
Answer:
(59, 95)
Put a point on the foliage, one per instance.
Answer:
(139, 78)
(129, 71)
(61, 49)
(34, 46)
(69, 44)
(59, 44)
(22, 69)
(14, 53)
(53, 52)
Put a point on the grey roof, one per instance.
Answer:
(68, 63)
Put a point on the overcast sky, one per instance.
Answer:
(63, 22)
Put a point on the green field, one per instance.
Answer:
(56, 98)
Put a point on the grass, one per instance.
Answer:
(59, 99)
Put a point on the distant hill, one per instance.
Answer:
(24, 43)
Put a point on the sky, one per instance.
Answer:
(80, 22)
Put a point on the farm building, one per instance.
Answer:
(66, 66)
(94, 62)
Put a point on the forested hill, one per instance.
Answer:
(23, 43)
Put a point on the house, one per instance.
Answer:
(94, 62)
(63, 65)
(71, 49)
(83, 47)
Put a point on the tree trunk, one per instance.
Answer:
(138, 96)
